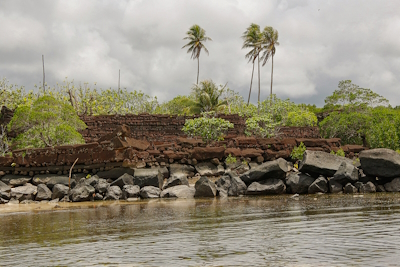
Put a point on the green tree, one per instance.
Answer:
(48, 122)
(180, 105)
(269, 43)
(207, 97)
(197, 37)
(252, 39)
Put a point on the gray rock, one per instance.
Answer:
(380, 188)
(238, 187)
(223, 184)
(174, 181)
(267, 187)
(272, 169)
(51, 179)
(148, 177)
(380, 162)
(25, 192)
(298, 183)
(238, 167)
(125, 179)
(150, 192)
(369, 187)
(93, 180)
(115, 173)
(3, 201)
(16, 180)
(335, 187)
(347, 173)
(181, 170)
(317, 163)
(43, 193)
(164, 171)
(59, 191)
(209, 169)
(350, 189)
(320, 185)
(130, 191)
(393, 186)
(179, 191)
(205, 188)
(98, 196)
(82, 192)
(5, 195)
(102, 186)
(114, 192)
(5, 191)
(358, 185)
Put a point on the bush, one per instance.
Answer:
(301, 118)
(339, 153)
(230, 160)
(260, 126)
(298, 152)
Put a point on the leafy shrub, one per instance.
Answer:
(230, 160)
(301, 118)
(260, 126)
(298, 151)
(339, 153)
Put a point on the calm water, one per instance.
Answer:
(269, 231)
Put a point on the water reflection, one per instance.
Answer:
(323, 230)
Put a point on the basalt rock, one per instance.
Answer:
(113, 193)
(276, 169)
(150, 192)
(205, 188)
(335, 187)
(16, 180)
(380, 162)
(298, 183)
(125, 179)
(59, 191)
(102, 186)
(350, 189)
(347, 173)
(174, 181)
(320, 185)
(148, 177)
(25, 192)
(369, 187)
(209, 169)
(82, 192)
(115, 173)
(393, 186)
(130, 191)
(268, 187)
(181, 170)
(179, 191)
(43, 193)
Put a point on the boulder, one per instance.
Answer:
(174, 181)
(130, 191)
(298, 183)
(393, 186)
(98, 196)
(16, 180)
(237, 187)
(181, 170)
(102, 186)
(380, 162)
(276, 169)
(51, 179)
(205, 188)
(347, 173)
(59, 191)
(318, 163)
(350, 189)
(179, 191)
(335, 187)
(238, 167)
(148, 177)
(209, 169)
(150, 192)
(204, 153)
(223, 184)
(164, 171)
(82, 192)
(5, 191)
(113, 193)
(268, 187)
(115, 173)
(369, 187)
(320, 185)
(43, 193)
(125, 179)
(25, 192)
(92, 180)
(380, 188)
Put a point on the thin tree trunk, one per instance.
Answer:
(259, 85)
(272, 73)
(251, 83)
(198, 69)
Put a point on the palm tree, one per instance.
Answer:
(252, 39)
(196, 36)
(269, 42)
(206, 96)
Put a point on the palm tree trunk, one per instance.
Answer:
(272, 72)
(259, 85)
(198, 69)
(251, 83)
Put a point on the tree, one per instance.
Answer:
(269, 43)
(180, 105)
(207, 96)
(46, 123)
(196, 36)
(252, 39)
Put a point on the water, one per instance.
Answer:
(323, 230)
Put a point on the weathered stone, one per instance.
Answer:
(25, 192)
(222, 185)
(380, 162)
(93, 180)
(238, 167)
(205, 188)
(174, 181)
(179, 191)
(268, 187)
(380, 188)
(204, 153)
(350, 189)
(346, 173)
(130, 191)
(4, 187)
(82, 192)
(102, 186)
(150, 192)
(15, 180)
(3, 201)
(125, 179)
(335, 187)
(393, 186)
(164, 171)
(318, 163)
(272, 169)
(320, 185)
(113, 193)
(369, 187)
(209, 169)
(298, 183)
(148, 177)
(115, 173)
(43, 193)
(51, 179)
(59, 191)
(181, 170)
(98, 196)
(237, 187)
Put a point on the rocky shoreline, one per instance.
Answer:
(377, 170)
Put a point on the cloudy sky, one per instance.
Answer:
(321, 43)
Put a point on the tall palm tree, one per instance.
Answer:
(252, 39)
(207, 96)
(196, 36)
(269, 43)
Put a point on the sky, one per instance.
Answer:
(321, 43)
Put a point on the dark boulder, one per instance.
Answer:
(298, 183)
(205, 188)
(150, 192)
(130, 191)
(369, 187)
(335, 187)
(148, 177)
(320, 185)
(25, 192)
(350, 189)
(179, 191)
(347, 173)
(82, 192)
(51, 179)
(238, 187)
(102, 186)
(209, 169)
(59, 191)
(43, 193)
(16, 180)
(393, 186)
(380, 162)
(5, 191)
(174, 181)
(276, 169)
(223, 184)
(125, 179)
(268, 187)
(113, 193)
(181, 170)
(115, 173)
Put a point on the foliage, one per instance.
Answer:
(260, 126)
(298, 152)
(269, 42)
(230, 160)
(180, 105)
(46, 123)
(206, 97)
(209, 129)
(12, 95)
(339, 153)
(4, 144)
(301, 117)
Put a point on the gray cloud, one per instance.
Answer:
(322, 42)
